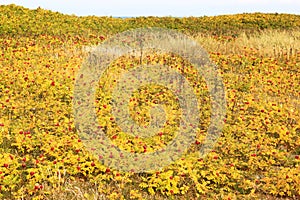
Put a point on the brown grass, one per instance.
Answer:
(271, 43)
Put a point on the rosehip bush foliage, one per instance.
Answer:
(257, 153)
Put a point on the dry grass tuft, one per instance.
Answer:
(271, 43)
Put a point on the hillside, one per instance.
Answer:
(16, 20)
(44, 152)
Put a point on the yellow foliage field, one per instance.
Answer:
(256, 156)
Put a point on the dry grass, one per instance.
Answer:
(271, 43)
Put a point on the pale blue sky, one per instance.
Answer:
(178, 8)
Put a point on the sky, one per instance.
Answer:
(175, 8)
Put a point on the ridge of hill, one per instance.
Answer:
(20, 21)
